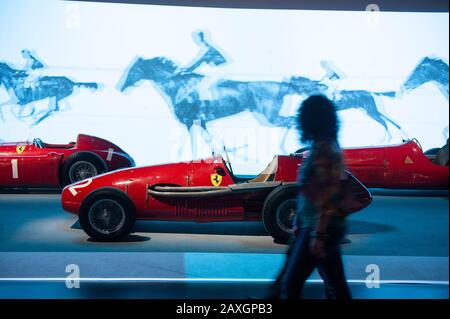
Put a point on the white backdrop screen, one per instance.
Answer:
(204, 78)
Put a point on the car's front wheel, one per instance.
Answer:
(279, 212)
(107, 216)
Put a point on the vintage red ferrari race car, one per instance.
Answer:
(207, 190)
(403, 166)
(36, 164)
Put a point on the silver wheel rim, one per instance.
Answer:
(81, 170)
(106, 216)
(285, 215)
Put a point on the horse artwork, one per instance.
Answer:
(54, 87)
(263, 99)
(346, 99)
(429, 69)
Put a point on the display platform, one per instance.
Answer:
(405, 236)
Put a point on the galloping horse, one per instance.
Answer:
(54, 87)
(346, 99)
(263, 99)
(429, 69)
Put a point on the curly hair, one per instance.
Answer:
(317, 119)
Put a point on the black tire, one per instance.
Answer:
(92, 163)
(92, 206)
(278, 211)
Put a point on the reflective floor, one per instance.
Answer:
(405, 234)
(210, 290)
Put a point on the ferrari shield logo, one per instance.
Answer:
(20, 149)
(216, 179)
(408, 160)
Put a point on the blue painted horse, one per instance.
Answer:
(429, 69)
(346, 99)
(54, 87)
(263, 99)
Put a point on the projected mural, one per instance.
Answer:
(263, 99)
(25, 87)
(217, 78)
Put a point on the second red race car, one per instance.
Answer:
(35, 164)
(402, 166)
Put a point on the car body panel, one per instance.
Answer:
(396, 166)
(32, 165)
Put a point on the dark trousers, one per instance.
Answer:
(301, 263)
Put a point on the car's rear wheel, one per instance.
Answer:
(107, 216)
(81, 170)
(279, 212)
(80, 166)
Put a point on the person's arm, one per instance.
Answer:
(199, 62)
(194, 66)
(36, 64)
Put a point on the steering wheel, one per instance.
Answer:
(38, 143)
(418, 143)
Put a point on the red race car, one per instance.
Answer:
(36, 164)
(207, 190)
(403, 166)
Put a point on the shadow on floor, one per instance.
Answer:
(231, 228)
(205, 290)
(355, 227)
(127, 239)
(214, 228)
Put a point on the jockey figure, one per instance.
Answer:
(32, 68)
(209, 56)
(332, 74)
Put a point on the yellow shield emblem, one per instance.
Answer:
(216, 179)
(20, 149)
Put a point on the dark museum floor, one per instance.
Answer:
(404, 233)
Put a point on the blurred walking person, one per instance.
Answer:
(320, 224)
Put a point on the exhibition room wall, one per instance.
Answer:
(386, 71)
